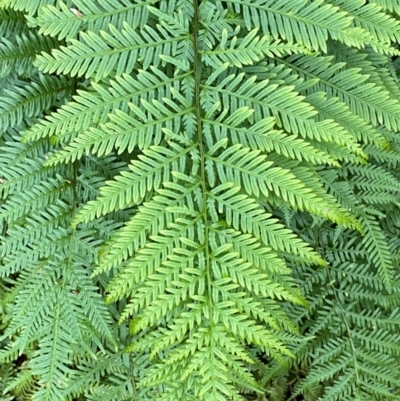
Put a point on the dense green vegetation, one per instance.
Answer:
(199, 200)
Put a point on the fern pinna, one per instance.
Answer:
(224, 174)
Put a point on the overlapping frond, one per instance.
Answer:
(17, 55)
(27, 100)
(12, 22)
(370, 17)
(364, 99)
(346, 365)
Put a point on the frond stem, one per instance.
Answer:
(197, 76)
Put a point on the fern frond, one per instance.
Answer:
(255, 174)
(20, 5)
(92, 108)
(66, 22)
(32, 253)
(17, 56)
(262, 135)
(290, 110)
(91, 370)
(243, 213)
(39, 195)
(176, 267)
(126, 131)
(148, 258)
(212, 154)
(367, 101)
(151, 217)
(156, 164)
(33, 302)
(16, 173)
(382, 26)
(54, 349)
(392, 6)
(375, 244)
(12, 22)
(28, 100)
(253, 251)
(248, 50)
(99, 55)
(89, 300)
(312, 22)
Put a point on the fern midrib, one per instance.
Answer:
(53, 353)
(197, 67)
(158, 121)
(17, 56)
(122, 49)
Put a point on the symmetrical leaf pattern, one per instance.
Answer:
(199, 200)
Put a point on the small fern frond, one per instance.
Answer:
(11, 23)
(28, 100)
(17, 56)
(376, 246)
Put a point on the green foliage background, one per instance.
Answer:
(200, 200)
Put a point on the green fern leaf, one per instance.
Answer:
(66, 22)
(118, 49)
